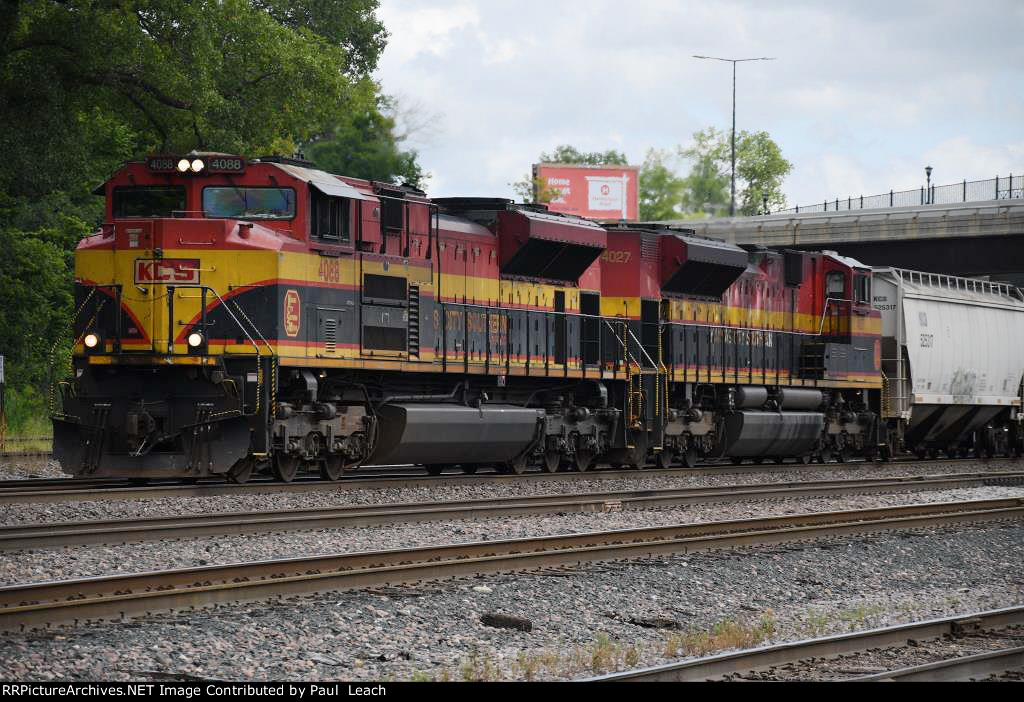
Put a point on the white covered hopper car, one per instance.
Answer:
(952, 362)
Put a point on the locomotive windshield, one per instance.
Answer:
(161, 201)
(249, 203)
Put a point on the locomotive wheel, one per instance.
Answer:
(286, 467)
(434, 469)
(332, 467)
(242, 470)
(663, 460)
(583, 460)
(516, 466)
(690, 458)
(552, 461)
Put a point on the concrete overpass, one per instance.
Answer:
(970, 239)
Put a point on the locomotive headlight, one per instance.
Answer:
(91, 340)
(195, 339)
(197, 165)
(183, 165)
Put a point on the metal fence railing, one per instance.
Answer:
(998, 188)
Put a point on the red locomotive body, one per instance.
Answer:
(240, 316)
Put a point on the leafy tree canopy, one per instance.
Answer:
(760, 169)
(88, 84)
(661, 190)
(363, 143)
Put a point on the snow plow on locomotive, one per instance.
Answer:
(236, 317)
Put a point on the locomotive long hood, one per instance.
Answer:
(540, 245)
(696, 266)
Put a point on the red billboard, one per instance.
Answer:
(598, 192)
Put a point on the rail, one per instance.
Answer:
(119, 597)
(720, 665)
(49, 535)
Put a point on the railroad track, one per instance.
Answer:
(40, 605)
(766, 657)
(92, 489)
(25, 536)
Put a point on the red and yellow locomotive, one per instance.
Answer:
(242, 316)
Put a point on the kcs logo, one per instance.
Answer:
(292, 312)
(167, 270)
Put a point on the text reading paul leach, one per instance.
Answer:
(192, 690)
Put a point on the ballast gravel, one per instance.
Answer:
(253, 500)
(86, 560)
(585, 621)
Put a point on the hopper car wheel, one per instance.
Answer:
(434, 469)
(332, 467)
(806, 459)
(552, 461)
(469, 468)
(933, 454)
(736, 461)
(690, 458)
(583, 460)
(759, 460)
(286, 467)
(779, 460)
(242, 470)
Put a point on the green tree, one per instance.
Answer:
(88, 84)
(365, 144)
(706, 187)
(661, 190)
(530, 189)
(760, 170)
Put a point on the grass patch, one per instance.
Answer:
(723, 635)
(27, 426)
(605, 654)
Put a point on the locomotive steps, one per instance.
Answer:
(121, 597)
(24, 536)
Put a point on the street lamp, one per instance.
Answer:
(732, 188)
(928, 175)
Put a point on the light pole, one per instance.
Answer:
(928, 176)
(732, 187)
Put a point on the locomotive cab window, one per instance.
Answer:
(249, 203)
(330, 218)
(835, 285)
(158, 201)
(862, 289)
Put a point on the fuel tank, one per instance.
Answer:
(772, 433)
(799, 399)
(446, 433)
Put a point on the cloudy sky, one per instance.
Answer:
(862, 95)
